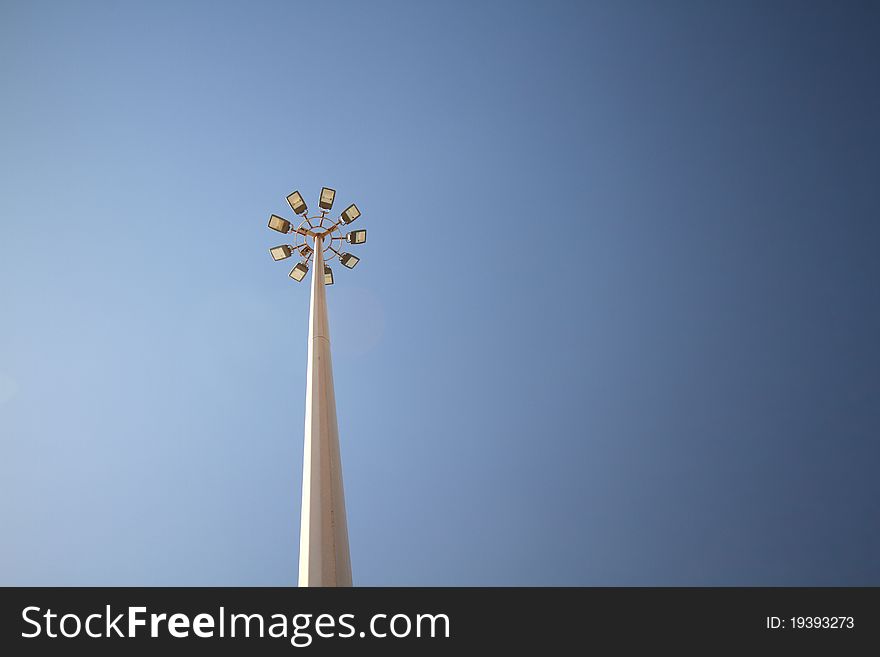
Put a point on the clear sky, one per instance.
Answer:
(616, 321)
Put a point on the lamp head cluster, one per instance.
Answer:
(313, 231)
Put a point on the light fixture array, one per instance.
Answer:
(313, 228)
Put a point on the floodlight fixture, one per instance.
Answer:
(280, 224)
(326, 200)
(296, 202)
(314, 231)
(281, 252)
(299, 271)
(349, 260)
(356, 237)
(350, 214)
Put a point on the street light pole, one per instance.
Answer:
(324, 558)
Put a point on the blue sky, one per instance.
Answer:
(615, 323)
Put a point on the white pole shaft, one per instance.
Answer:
(324, 558)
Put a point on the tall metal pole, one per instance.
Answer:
(324, 558)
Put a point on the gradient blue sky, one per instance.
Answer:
(616, 321)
